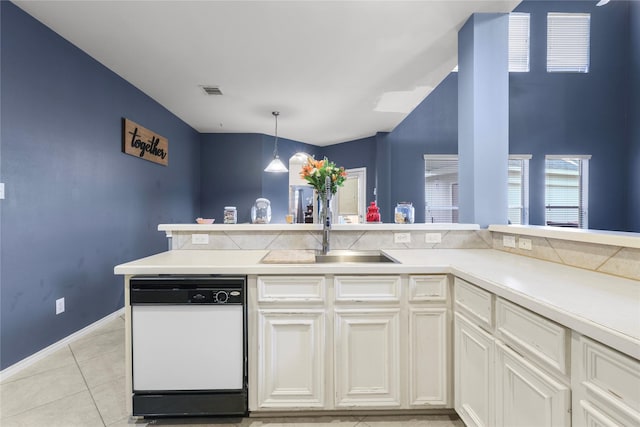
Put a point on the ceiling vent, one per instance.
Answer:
(212, 90)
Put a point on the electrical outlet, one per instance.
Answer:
(433, 238)
(402, 237)
(509, 241)
(200, 239)
(59, 305)
(524, 244)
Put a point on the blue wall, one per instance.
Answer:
(75, 205)
(550, 113)
(232, 174)
(633, 210)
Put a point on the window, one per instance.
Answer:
(566, 191)
(568, 42)
(518, 190)
(518, 43)
(441, 188)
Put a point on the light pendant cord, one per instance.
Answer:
(275, 147)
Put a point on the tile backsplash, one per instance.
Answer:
(616, 260)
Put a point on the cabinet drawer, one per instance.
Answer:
(610, 374)
(291, 289)
(476, 302)
(541, 337)
(428, 288)
(367, 288)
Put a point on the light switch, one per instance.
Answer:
(1, 190)
(433, 238)
(509, 241)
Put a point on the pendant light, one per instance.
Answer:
(276, 164)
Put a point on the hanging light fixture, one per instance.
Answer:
(276, 164)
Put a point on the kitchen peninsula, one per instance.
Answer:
(558, 343)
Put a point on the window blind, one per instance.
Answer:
(568, 41)
(519, 42)
(566, 191)
(518, 189)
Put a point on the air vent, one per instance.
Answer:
(212, 90)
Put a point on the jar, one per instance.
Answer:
(373, 213)
(230, 215)
(261, 212)
(404, 213)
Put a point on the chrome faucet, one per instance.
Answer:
(327, 223)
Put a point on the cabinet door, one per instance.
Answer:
(291, 359)
(367, 361)
(473, 372)
(526, 395)
(428, 361)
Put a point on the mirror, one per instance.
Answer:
(349, 203)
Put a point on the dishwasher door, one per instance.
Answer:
(187, 347)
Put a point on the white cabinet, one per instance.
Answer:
(429, 356)
(510, 364)
(349, 342)
(473, 373)
(291, 359)
(367, 356)
(605, 383)
(287, 343)
(526, 395)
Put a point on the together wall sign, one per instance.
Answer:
(141, 142)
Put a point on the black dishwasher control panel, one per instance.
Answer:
(187, 290)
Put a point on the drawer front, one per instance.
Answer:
(428, 288)
(609, 374)
(297, 289)
(476, 301)
(530, 332)
(367, 288)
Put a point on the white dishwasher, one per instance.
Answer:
(189, 346)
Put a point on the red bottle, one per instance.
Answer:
(373, 213)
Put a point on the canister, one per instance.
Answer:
(404, 213)
(230, 215)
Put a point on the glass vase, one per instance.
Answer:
(322, 210)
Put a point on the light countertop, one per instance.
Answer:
(604, 307)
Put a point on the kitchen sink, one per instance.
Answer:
(354, 257)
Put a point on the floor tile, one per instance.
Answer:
(333, 421)
(58, 359)
(103, 368)
(94, 345)
(71, 411)
(109, 397)
(412, 421)
(36, 390)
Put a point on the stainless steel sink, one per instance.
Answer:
(354, 257)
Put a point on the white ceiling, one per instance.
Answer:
(335, 70)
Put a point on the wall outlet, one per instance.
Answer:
(200, 239)
(433, 238)
(524, 244)
(59, 306)
(402, 237)
(509, 241)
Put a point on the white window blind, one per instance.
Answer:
(566, 191)
(518, 43)
(441, 188)
(568, 41)
(518, 189)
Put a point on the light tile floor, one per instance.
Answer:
(83, 385)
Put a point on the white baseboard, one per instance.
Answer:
(30, 360)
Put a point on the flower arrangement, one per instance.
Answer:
(315, 173)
